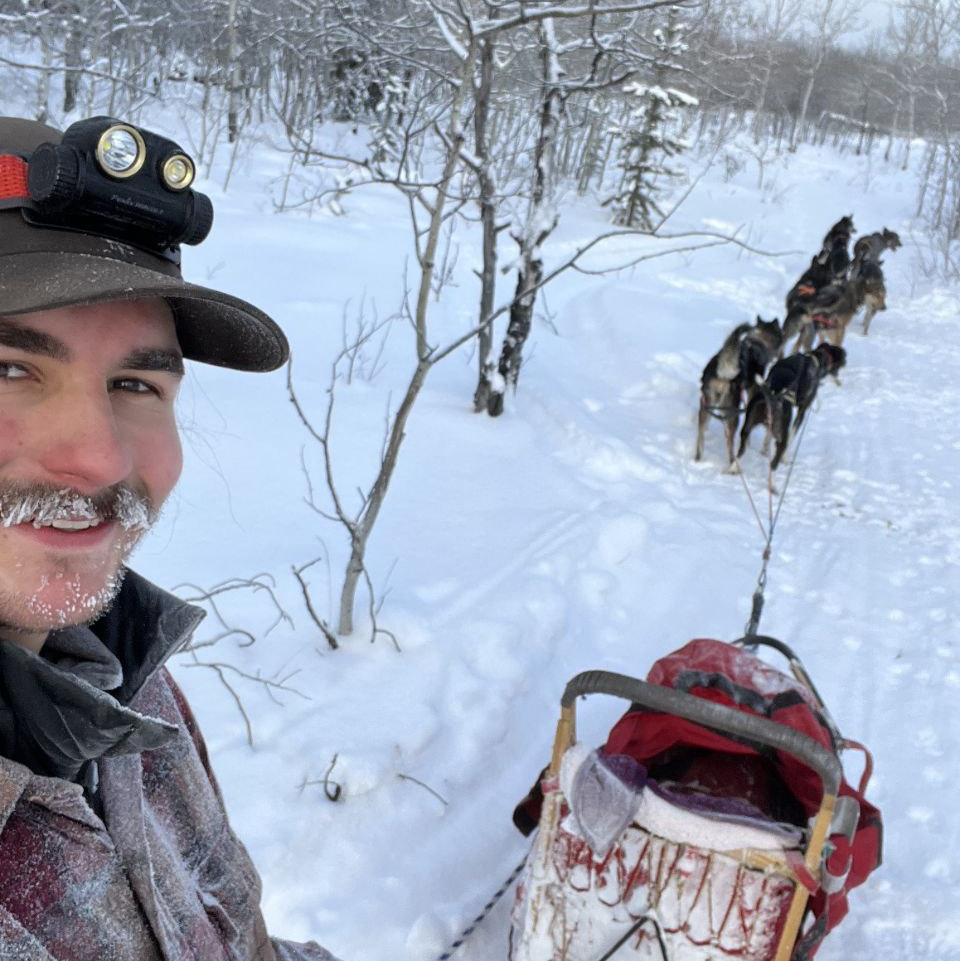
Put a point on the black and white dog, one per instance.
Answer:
(791, 385)
(743, 358)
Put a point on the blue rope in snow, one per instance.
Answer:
(487, 908)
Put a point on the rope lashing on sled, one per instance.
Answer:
(481, 917)
(756, 607)
(633, 930)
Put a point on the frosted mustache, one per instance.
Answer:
(41, 505)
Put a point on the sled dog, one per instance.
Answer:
(744, 357)
(791, 385)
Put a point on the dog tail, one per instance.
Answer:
(728, 360)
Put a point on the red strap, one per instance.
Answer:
(803, 874)
(13, 178)
(867, 763)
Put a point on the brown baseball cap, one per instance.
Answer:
(42, 268)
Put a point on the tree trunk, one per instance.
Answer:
(361, 530)
(925, 182)
(911, 115)
(893, 132)
(233, 74)
(360, 535)
(72, 56)
(488, 221)
(521, 319)
(864, 124)
(42, 113)
(761, 102)
(805, 103)
(539, 224)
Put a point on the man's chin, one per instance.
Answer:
(60, 602)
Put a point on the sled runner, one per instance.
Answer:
(714, 824)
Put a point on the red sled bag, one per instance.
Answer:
(742, 837)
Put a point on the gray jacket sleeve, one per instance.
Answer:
(292, 951)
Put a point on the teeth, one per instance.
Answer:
(68, 525)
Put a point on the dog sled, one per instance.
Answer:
(715, 823)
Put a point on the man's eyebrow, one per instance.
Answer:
(160, 359)
(31, 341)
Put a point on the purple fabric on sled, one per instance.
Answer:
(731, 810)
(626, 768)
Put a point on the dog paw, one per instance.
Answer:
(733, 468)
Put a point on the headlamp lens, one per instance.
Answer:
(121, 151)
(178, 172)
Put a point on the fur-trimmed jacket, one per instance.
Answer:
(114, 842)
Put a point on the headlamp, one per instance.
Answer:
(121, 151)
(178, 172)
(112, 179)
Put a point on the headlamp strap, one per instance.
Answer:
(13, 182)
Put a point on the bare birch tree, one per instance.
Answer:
(831, 20)
(773, 23)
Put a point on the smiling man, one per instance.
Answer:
(114, 845)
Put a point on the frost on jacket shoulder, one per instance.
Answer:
(161, 877)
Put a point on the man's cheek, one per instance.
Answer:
(163, 462)
(11, 438)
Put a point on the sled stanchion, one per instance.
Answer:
(818, 838)
(565, 736)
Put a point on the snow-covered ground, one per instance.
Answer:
(574, 532)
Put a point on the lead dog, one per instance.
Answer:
(874, 290)
(872, 246)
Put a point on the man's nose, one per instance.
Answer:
(85, 446)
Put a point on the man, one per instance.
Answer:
(114, 845)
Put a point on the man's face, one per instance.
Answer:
(88, 442)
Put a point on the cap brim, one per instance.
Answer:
(212, 327)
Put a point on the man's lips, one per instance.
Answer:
(61, 539)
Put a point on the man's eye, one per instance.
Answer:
(133, 385)
(13, 371)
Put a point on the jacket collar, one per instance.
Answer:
(143, 628)
(73, 703)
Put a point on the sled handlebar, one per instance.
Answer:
(707, 713)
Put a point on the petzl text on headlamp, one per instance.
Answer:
(110, 178)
